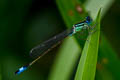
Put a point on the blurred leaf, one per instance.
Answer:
(104, 74)
(70, 12)
(64, 65)
(108, 60)
(65, 61)
(93, 5)
(87, 65)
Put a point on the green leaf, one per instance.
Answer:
(87, 65)
(106, 52)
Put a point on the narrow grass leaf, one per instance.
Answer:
(87, 65)
(106, 52)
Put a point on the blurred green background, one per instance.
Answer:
(27, 23)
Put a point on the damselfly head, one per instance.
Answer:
(88, 20)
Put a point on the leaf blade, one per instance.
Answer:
(87, 65)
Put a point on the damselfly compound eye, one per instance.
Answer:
(88, 20)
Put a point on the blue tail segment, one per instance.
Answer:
(22, 69)
(88, 20)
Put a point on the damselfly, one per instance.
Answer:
(42, 49)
